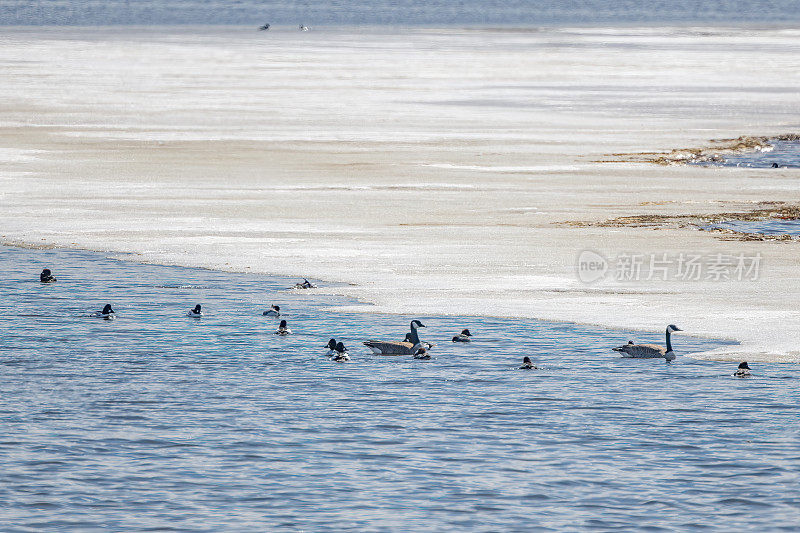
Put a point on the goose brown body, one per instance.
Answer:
(649, 351)
(398, 348)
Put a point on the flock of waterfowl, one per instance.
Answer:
(418, 349)
(265, 27)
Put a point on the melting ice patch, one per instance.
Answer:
(778, 154)
(764, 227)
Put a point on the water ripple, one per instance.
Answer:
(155, 422)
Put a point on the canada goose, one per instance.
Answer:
(409, 347)
(46, 276)
(305, 285)
(649, 351)
(263, 28)
(527, 364)
(196, 312)
(274, 310)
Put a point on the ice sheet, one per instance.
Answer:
(429, 169)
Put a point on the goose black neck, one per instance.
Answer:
(669, 344)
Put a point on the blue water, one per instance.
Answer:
(397, 12)
(766, 227)
(157, 421)
(785, 154)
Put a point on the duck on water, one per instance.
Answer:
(283, 329)
(743, 371)
(408, 347)
(340, 353)
(46, 276)
(425, 344)
(464, 336)
(422, 354)
(649, 351)
(107, 313)
(331, 346)
(305, 285)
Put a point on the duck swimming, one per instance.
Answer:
(649, 351)
(409, 347)
(423, 354)
(331, 346)
(425, 344)
(274, 310)
(341, 354)
(463, 336)
(305, 285)
(527, 364)
(283, 329)
(743, 371)
(196, 312)
(46, 276)
(107, 313)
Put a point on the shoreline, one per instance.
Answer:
(433, 182)
(365, 307)
(361, 307)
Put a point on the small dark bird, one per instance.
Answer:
(743, 371)
(341, 355)
(463, 336)
(107, 313)
(527, 364)
(331, 346)
(305, 285)
(283, 329)
(46, 276)
(423, 354)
